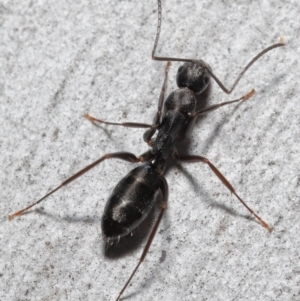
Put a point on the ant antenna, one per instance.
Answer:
(220, 84)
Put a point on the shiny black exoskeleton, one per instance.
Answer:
(130, 202)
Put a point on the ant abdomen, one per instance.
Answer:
(130, 202)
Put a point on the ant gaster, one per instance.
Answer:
(134, 196)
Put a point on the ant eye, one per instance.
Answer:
(180, 69)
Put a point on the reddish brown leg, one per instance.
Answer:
(125, 124)
(217, 106)
(129, 157)
(152, 127)
(165, 193)
(156, 121)
(193, 159)
(193, 117)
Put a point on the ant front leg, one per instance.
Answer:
(152, 127)
(217, 106)
(129, 157)
(194, 159)
(193, 117)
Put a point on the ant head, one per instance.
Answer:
(193, 75)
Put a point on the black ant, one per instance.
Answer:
(134, 196)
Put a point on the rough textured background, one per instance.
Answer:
(59, 60)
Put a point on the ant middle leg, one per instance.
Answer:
(194, 159)
(126, 156)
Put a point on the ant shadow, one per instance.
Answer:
(114, 249)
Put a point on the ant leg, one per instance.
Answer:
(217, 106)
(221, 85)
(193, 117)
(163, 186)
(156, 121)
(129, 157)
(193, 159)
(152, 128)
(125, 124)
